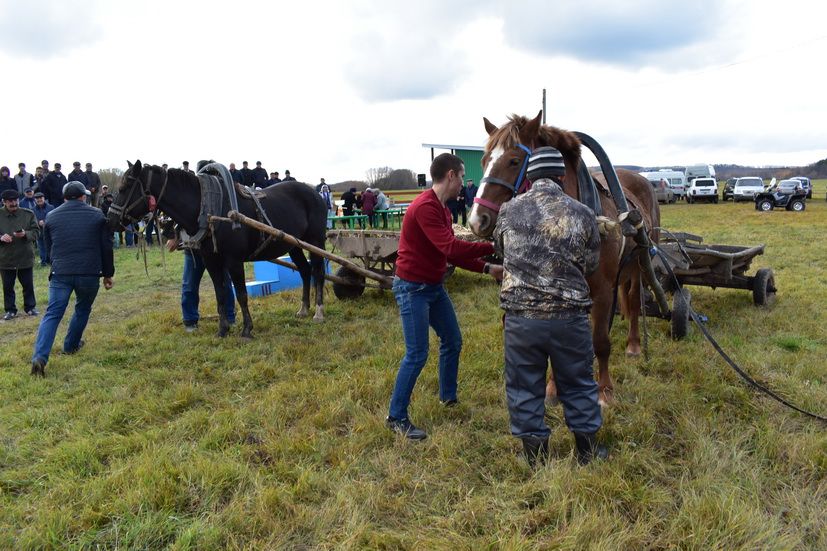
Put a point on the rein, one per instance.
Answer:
(151, 203)
(520, 185)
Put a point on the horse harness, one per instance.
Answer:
(249, 193)
(146, 197)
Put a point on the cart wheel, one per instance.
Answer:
(763, 287)
(765, 205)
(797, 205)
(680, 313)
(354, 290)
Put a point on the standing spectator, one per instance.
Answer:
(546, 301)
(470, 193)
(246, 174)
(320, 184)
(426, 245)
(166, 166)
(41, 209)
(185, 166)
(382, 204)
(52, 186)
(461, 212)
(287, 177)
(349, 197)
(259, 176)
(93, 184)
(369, 205)
(327, 197)
(81, 248)
(28, 202)
(77, 175)
(276, 179)
(23, 179)
(18, 230)
(106, 201)
(6, 181)
(236, 175)
(38, 178)
(453, 207)
(44, 166)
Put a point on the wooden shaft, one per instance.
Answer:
(235, 216)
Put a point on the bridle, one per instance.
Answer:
(148, 200)
(516, 187)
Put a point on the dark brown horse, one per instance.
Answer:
(503, 160)
(293, 207)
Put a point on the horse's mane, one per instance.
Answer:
(507, 136)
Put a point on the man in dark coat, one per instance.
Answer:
(246, 174)
(235, 173)
(93, 184)
(287, 177)
(77, 175)
(41, 209)
(259, 176)
(52, 186)
(349, 197)
(18, 230)
(6, 181)
(81, 249)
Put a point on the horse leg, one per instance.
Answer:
(237, 275)
(297, 255)
(631, 309)
(601, 315)
(317, 268)
(215, 267)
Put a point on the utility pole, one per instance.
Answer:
(544, 106)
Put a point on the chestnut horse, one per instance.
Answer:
(504, 163)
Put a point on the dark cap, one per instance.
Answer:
(10, 195)
(287, 172)
(76, 163)
(186, 163)
(74, 189)
(28, 189)
(44, 162)
(39, 194)
(258, 162)
(88, 165)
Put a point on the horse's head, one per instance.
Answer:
(133, 199)
(504, 166)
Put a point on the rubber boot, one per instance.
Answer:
(588, 449)
(535, 450)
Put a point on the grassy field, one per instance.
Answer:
(153, 438)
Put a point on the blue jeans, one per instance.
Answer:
(422, 305)
(41, 248)
(191, 281)
(60, 290)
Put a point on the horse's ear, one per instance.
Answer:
(136, 168)
(129, 163)
(531, 129)
(489, 126)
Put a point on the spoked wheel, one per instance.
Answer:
(353, 289)
(765, 205)
(680, 313)
(763, 287)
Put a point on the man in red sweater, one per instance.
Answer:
(426, 245)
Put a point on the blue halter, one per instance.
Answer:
(514, 187)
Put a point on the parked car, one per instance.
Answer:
(674, 179)
(746, 188)
(786, 194)
(663, 192)
(805, 185)
(728, 187)
(702, 189)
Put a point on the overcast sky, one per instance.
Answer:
(330, 89)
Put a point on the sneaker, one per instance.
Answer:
(449, 403)
(80, 345)
(38, 368)
(9, 316)
(405, 428)
(33, 312)
(190, 327)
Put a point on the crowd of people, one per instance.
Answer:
(544, 291)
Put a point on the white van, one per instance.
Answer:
(674, 178)
(699, 171)
(746, 188)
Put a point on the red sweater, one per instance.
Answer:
(427, 243)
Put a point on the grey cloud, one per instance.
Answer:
(45, 28)
(616, 33)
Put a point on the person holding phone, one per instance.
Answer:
(18, 230)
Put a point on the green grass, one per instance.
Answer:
(153, 438)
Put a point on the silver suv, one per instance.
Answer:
(745, 189)
(805, 185)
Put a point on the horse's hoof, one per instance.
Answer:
(552, 401)
(605, 398)
(318, 319)
(632, 353)
(302, 313)
(247, 336)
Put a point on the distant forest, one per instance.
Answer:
(722, 172)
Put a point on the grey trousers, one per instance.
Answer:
(529, 346)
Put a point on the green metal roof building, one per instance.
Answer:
(471, 155)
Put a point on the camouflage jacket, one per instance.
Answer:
(550, 244)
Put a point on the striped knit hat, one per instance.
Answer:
(545, 162)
